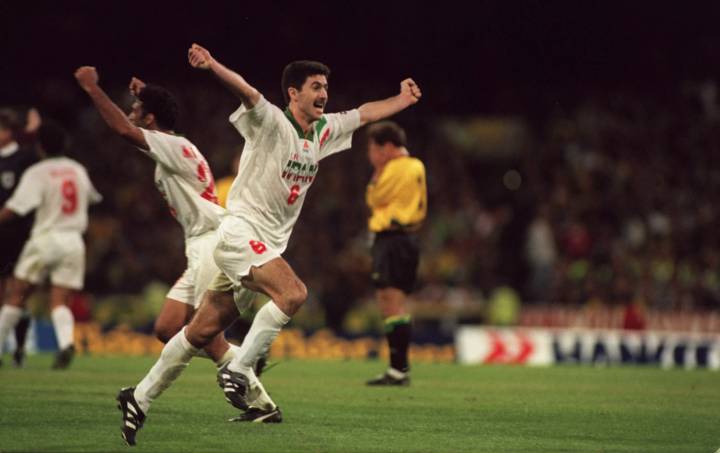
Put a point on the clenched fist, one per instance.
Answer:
(87, 77)
(410, 90)
(199, 57)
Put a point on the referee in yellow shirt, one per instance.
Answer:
(397, 197)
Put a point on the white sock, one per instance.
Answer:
(9, 316)
(265, 327)
(257, 397)
(230, 354)
(174, 358)
(64, 324)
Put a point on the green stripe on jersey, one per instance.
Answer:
(320, 124)
(309, 136)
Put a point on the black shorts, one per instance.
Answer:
(395, 256)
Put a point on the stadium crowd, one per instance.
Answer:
(610, 202)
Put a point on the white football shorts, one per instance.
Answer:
(239, 248)
(59, 254)
(190, 287)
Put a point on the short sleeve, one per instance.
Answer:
(252, 122)
(94, 196)
(165, 151)
(27, 195)
(337, 131)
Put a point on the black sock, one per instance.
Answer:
(21, 329)
(398, 332)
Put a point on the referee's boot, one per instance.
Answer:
(391, 377)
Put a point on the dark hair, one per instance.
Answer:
(52, 138)
(161, 103)
(387, 131)
(295, 74)
(9, 119)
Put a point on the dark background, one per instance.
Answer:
(615, 135)
(494, 56)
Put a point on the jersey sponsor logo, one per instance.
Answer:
(258, 247)
(7, 179)
(295, 171)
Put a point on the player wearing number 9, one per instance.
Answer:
(59, 190)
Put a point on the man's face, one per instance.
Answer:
(313, 96)
(137, 115)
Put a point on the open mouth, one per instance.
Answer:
(319, 104)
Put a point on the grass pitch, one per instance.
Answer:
(328, 409)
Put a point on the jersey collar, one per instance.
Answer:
(315, 126)
(296, 125)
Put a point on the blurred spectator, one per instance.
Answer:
(624, 188)
(541, 255)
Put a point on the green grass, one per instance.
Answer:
(328, 409)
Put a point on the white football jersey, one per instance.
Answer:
(60, 191)
(279, 165)
(183, 177)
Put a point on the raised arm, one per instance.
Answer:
(115, 118)
(374, 111)
(199, 57)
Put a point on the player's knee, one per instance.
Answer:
(164, 330)
(295, 296)
(200, 335)
(163, 334)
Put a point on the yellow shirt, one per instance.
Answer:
(398, 199)
(222, 187)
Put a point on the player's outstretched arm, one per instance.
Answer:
(374, 111)
(200, 58)
(87, 78)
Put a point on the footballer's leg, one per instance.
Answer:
(395, 262)
(204, 329)
(64, 324)
(287, 292)
(173, 316)
(180, 307)
(392, 302)
(134, 402)
(207, 324)
(12, 310)
(245, 391)
(21, 328)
